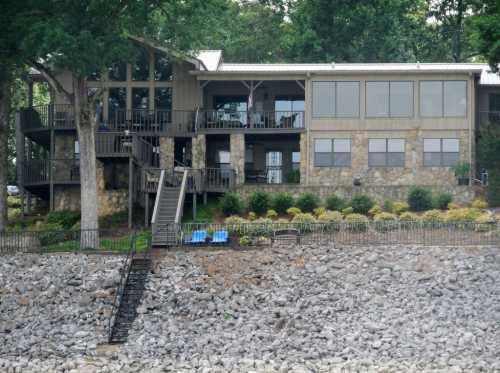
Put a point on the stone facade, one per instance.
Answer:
(199, 149)
(167, 152)
(67, 197)
(413, 173)
(237, 149)
(461, 194)
(303, 158)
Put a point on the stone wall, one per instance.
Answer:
(199, 149)
(461, 194)
(167, 152)
(237, 149)
(303, 158)
(110, 201)
(67, 197)
(412, 173)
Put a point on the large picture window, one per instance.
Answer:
(386, 152)
(163, 98)
(140, 69)
(441, 152)
(117, 101)
(386, 99)
(163, 68)
(332, 152)
(443, 98)
(335, 99)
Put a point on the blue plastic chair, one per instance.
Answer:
(199, 237)
(220, 237)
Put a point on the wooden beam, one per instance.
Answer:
(299, 83)
(205, 83)
(245, 84)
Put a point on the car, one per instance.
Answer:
(12, 190)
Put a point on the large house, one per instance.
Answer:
(343, 128)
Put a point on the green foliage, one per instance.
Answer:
(292, 211)
(433, 216)
(13, 201)
(347, 211)
(357, 222)
(245, 241)
(259, 202)
(487, 32)
(65, 219)
(335, 203)
(318, 211)
(409, 216)
(231, 204)
(330, 217)
(441, 200)
(113, 220)
(307, 202)
(271, 214)
(494, 188)
(293, 177)
(282, 202)
(462, 215)
(399, 207)
(376, 209)
(388, 204)
(304, 221)
(385, 221)
(252, 216)
(419, 199)
(479, 203)
(462, 169)
(361, 204)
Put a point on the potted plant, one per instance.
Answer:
(462, 172)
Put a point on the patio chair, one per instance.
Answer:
(220, 237)
(199, 237)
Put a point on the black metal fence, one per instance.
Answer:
(346, 234)
(88, 241)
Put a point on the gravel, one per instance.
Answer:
(281, 309)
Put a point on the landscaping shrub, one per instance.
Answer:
(281, 202)
(433, 216)
(398, 207)
(307, 202)
(230, 204)
(65, 219)
(462, 215)
(53, 234)
(330, 217)
(292, 211)
(236, 224)
(258, 202)
(335, 203)
(441, 200)
(304, 221)
(376, 209)
(357, 222)
(293, 177)
(385, 221)
(361, 204)
(113, 220)
(482, 221)
(453, 205)
(261, 227)
(245, 241)
(318, 211)
(494, 188)
(271, 214)
(388, 204)
(347, 211)
(479, 204)
(252, 216)
(13, 201)
(409, 216)
(419, 199)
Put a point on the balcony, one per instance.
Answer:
(220, 121)
(38, 172)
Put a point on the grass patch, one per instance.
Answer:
(205, 213)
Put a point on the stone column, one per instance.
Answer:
(167, 152)
(237, 149)
(303, 158)
(199, 149)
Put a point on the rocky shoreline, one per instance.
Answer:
(280, 309)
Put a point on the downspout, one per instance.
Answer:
(471, 122)
(308, 123)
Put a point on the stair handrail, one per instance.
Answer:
(125, 271)
(157, 201)
(180, 202)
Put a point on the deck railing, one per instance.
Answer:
(113, 144)
(250, 120)
(35, 171)
(58, 116)
(43, 171)
(217, 179)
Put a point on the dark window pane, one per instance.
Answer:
(163, 98)
(342, 159)
(432, 159)
(140, 98)
(93, 76)
(396, 159)
(140, 69)
(450, 159)
(118, 72)
(322, 159)
(163, 68)
(377, 159)
(117, 100)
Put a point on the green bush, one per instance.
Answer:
(347, 211)
(388, 204)
(245, 241)
(419, 199)
(258, 202)
(281, 202)
(441, 200)
(307, 202)
(236, 224)
(335, 203)
(271, 214)
(385, 221)
(304, 221)
(13, 201)
(361, 204)
(319, 210)
(330, 217)
(376, 209)
(409, 216)
(292, 211)
(433, 216)
(231, 204)
(399, 207)
(65, 219)
(357, 222)
(494, 188)
(261, 227)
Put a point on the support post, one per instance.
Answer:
(130, 190)
(51, 170)
(146, 208)
(194, 206)
(20, 159)
(205, 198)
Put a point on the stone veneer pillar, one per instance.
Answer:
(199, 150)
(237, 149)
(167, 152)
(303, 158)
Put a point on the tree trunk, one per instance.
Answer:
(86, 125)
(4, 135)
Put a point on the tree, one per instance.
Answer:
(487, 35)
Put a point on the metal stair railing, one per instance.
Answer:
(182, 194)
(156, 209)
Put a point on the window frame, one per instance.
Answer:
(389, 111)
(466, 114)
(387, 152)
(332, 153)
(441, 152)
(335, 114)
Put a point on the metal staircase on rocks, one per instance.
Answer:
(168, 208)
(128, 296)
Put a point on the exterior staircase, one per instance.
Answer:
(168, 209)
(130, 298)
